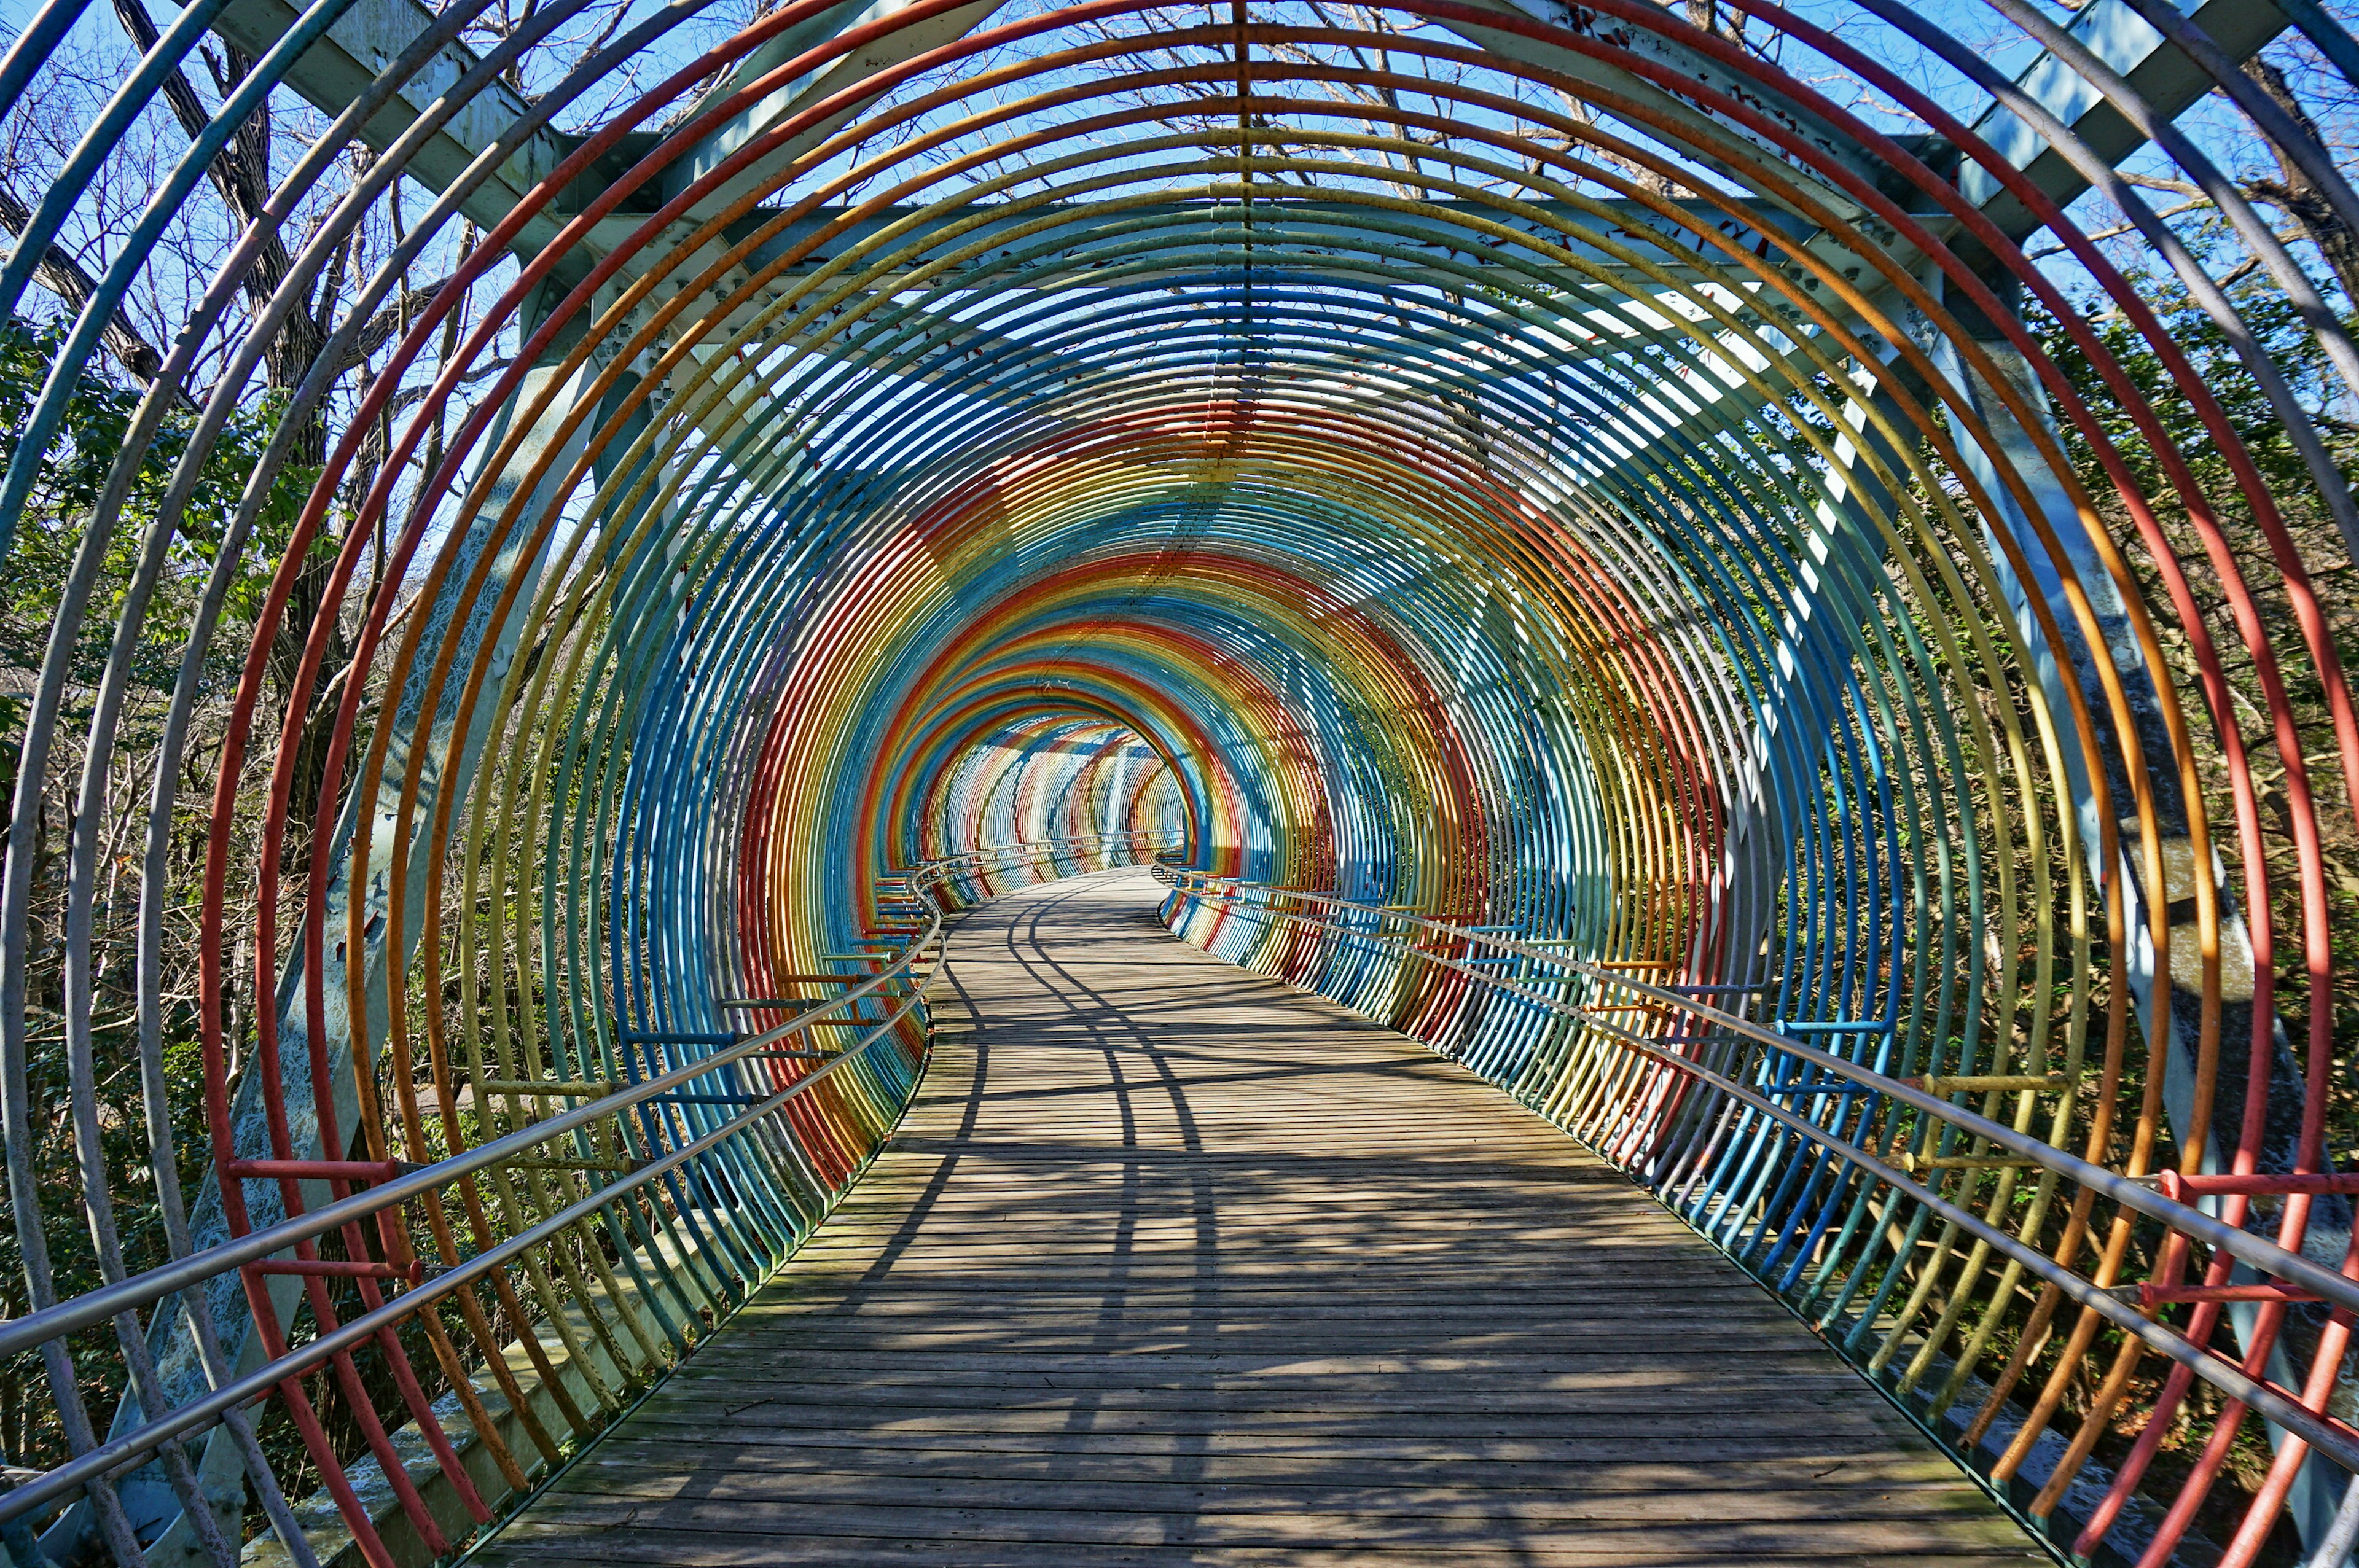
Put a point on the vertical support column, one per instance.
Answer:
(2013, 452)
(452, 762)
(1839, 566)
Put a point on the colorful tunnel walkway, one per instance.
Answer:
(1170, 1262)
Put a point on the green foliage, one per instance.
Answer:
(73, 473)
(2274, 324)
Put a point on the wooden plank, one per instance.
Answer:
(1169, 1263)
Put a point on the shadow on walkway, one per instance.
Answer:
(1171, 1263)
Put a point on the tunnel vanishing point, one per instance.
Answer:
(1279, 782)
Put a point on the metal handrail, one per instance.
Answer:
(185, 1273)
(2336, 1439)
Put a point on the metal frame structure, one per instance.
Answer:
(1559, 473)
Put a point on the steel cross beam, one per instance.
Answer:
(2161, 72)
(374, 32)
(361, 43)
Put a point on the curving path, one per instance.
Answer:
(1172, 1263)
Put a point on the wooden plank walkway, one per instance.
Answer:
(1171, 1263)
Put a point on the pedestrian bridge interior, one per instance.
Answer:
(1265, 782)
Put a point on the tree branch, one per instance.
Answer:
(2292, 191)
(62, 275)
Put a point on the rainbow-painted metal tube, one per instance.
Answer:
(1570, 474)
